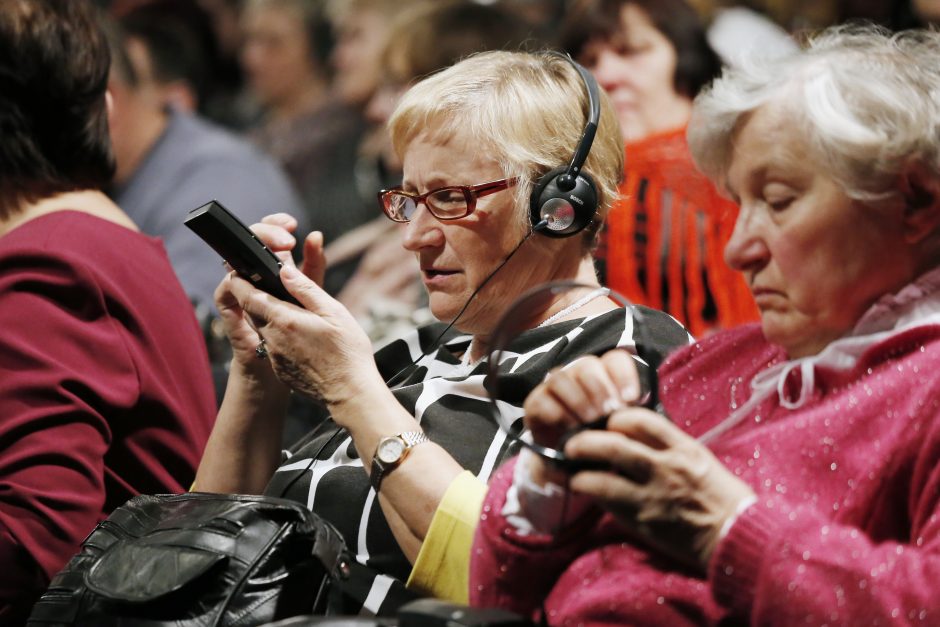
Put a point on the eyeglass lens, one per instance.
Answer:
(443, 203)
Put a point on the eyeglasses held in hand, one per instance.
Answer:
(445, 203)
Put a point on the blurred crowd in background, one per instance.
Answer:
(279, 105)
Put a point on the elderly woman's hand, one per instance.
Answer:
(579, 393)
(318, 349)
(276, 231)
(663, 484)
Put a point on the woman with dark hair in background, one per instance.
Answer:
(662, 242)
(105, 390)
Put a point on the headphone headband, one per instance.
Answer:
(594, 116)
(564, 201)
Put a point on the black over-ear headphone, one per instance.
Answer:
(564, 199)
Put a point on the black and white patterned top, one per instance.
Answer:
(451, 402)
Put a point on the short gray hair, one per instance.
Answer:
(866, 101)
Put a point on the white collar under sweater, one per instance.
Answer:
(917, 304)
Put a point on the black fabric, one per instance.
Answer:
(197, 560)
(419, 613)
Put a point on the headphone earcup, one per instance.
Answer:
(566, 212)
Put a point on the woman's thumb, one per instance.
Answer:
(300, 286)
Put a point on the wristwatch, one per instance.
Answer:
(391, 451)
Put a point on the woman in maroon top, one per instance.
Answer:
(105, 389)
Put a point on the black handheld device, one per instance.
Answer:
(241, 248)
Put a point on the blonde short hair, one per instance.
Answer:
(527, 110)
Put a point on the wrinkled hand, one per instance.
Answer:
(665, 485)
(319, 349)
(277, 233)
(579, 393)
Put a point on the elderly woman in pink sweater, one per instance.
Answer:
(796, 479)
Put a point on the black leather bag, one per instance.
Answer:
(197, 560)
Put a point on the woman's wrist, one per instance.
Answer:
(368, 405)
(254, 374)
(244, 447)
(371, 415)
(256, 388)
(718, 534)
(539, 472)
(539, 502)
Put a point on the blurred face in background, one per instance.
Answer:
(395, 81)
(276, 54)
(225, 26)
(145, 89)
(360, 43)
(395, 75)
(637, 68)
(927, 10)
(137, 110)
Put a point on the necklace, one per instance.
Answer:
(581, 302)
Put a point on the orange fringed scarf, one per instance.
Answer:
(664, 239)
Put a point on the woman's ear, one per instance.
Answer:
(920, 190)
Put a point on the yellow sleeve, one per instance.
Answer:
(443, 565)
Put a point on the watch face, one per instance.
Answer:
(390, 450)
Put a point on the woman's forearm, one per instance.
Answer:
(244, 448)
(411, 492)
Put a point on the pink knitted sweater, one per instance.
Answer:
(843, 451)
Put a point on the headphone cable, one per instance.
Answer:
(435, 344)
